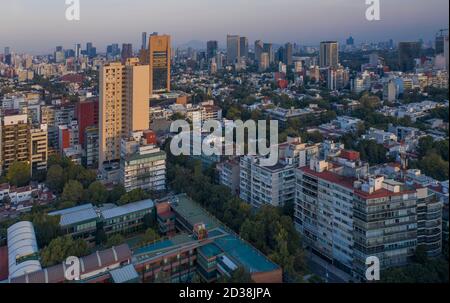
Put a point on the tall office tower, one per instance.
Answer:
(233, 49)
(211, 49)
(259, 49)
(144, 40)
(91, 51)
(77, 50)
(124, 105)
(158, 57)
(38, 149)
(280, 54)
(243, 45)
(268, 48)
(288, 54)
(127, 52)
(14, 140)
(329, 54)
(407, 53)
(7, 51)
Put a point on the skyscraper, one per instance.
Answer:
(407, 52)
(211, 49)
(288, 54)
(77, 50)
(144, 40)
(268, 48)
(91, 51)
(329, 54)
(158, 56)
(124, 105)
(259, 49)
(233, 49)
(243, 45)
(127, 51)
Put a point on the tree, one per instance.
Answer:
(434, 166)
(61, 248)
(19, 174)
(46, 227)
(133, 196)
(239, 275)
(55, 178)
(97, 193)
(73, 192)
(425, 145)
(372, 152)
(150, 236)
(115, 240)
(116, 193)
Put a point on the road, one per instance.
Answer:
(326, 271)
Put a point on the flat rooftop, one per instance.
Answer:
(193, 212)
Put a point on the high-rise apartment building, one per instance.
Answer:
(329, 54)
(14, 143)
(158, 57)
(346, 215)
(266, 185)
(38, 149)
(124, 105)
(407, 53)
(233, 49)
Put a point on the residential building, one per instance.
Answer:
(142, 165)
(271, 185)
(14, 145)
(124, 105)
(329, 54)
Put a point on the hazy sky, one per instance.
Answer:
(37, 26)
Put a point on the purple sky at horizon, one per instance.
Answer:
(38, 26)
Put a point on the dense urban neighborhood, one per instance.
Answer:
(362, 166)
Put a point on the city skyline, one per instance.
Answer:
(401, 20)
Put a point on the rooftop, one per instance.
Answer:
(127, 209)
(76, 214)
(124, 274)
(193, 213)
